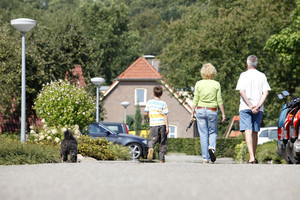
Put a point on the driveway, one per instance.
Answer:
(181, 177)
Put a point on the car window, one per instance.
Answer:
(115, 128)
(95, 130)
(264, 133)
(273, 134)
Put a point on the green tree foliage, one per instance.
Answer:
(9, 74)
(150, 19)
(286, 45)
(62, 103)
(137, 120)
(100, 41)
(224, 34)
(114, 45)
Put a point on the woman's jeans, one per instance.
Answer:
(207, 122)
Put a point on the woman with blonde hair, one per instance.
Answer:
(207, 97)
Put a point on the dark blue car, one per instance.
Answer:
(138, 145)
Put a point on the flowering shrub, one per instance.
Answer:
(51, 135)
(61, 103)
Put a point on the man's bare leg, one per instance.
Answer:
(249, 142)
(254, 142)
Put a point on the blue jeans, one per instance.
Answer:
(207, 122)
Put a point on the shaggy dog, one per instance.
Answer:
(69, 147)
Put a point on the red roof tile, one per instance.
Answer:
(140, 69)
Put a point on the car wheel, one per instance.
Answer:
(135, 150)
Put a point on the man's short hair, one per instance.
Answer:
(252, 61)
(157, 91)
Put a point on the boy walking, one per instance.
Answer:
(156, 112)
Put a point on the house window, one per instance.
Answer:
(172, 132)
(140, 96)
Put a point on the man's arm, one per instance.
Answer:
(167, 124)
(243, 95)
(262, 99)
(147, 116)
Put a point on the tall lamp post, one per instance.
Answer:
(125, 104)
(23, 25)
(97, 81)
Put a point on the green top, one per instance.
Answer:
(207, 94)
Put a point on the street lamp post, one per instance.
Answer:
(23, 25)
(97, 81)
(125, 104)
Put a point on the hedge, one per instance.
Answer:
(191, 146)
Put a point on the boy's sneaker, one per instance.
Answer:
(212, 154)
(150, 154)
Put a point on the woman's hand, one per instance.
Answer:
(223, 119)
(192, 117)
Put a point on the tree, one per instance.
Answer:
(224, 36)
(286, 45)
(10, 69)
(114, 46)
(137, 120)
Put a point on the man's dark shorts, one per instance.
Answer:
(250, 121)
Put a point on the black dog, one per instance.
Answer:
(69, 146)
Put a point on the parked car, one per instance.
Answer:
(116, 127)
(138, 145)
(267, 134)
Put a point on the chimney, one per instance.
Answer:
(153, 62)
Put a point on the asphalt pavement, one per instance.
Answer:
(181, 177)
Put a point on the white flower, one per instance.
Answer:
(76, 127)
(49, 138)
(31, 127)
(32, 131)
(57, 140)
(77, 132)
(43, 121)
(63, 129)
(41, 137)
(54, 131)
(36, 135)
(35, 139)
(45, 126)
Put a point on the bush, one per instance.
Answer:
(101, 149)
(241, 152)
(265, 153)
(191, 146)
(62, 103)
(51, 135)
(12, 152)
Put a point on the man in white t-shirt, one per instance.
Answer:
(253, 87)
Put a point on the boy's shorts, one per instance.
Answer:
(250, 121)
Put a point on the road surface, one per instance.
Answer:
(181, 177)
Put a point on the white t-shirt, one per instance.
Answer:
(254, 83)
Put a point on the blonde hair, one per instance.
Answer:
(208, 71)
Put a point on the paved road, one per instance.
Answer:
(181, 177)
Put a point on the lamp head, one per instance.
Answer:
(23, 24)
(97, 81)
(125, 104)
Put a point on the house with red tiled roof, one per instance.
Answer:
(135, 85)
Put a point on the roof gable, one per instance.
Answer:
(140, 69)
